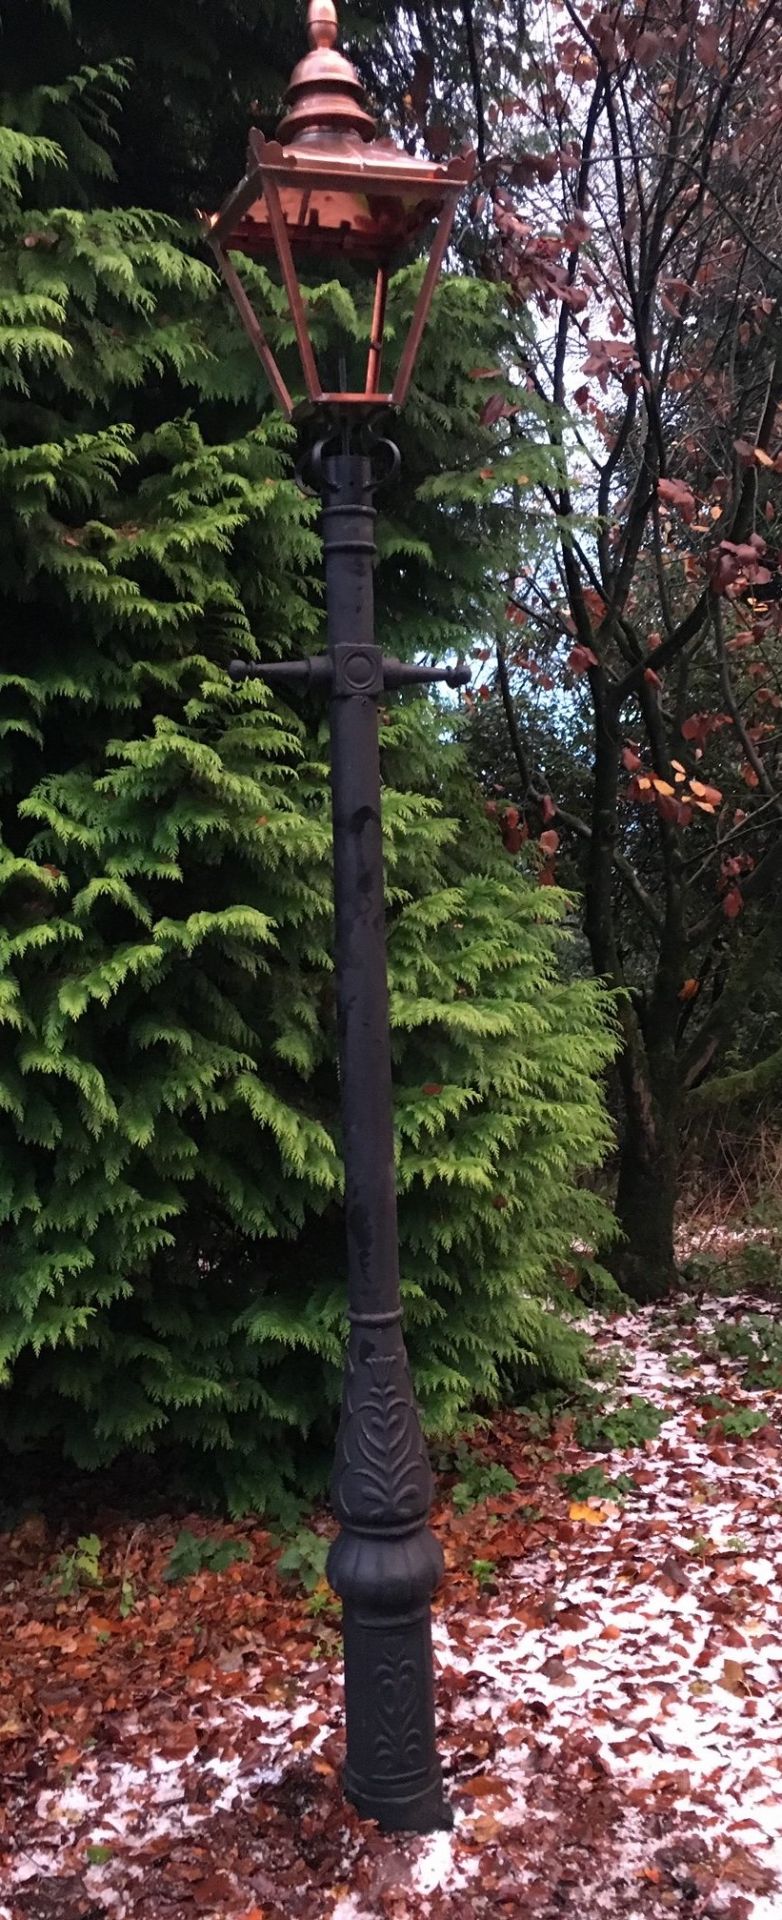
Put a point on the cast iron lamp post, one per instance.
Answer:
(328, 186)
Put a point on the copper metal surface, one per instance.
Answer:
(375, 360)
(367, 202)
(325, 92)
(322, 25)
(401, 386)
(293, 290)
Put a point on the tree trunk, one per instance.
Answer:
(643, 1261)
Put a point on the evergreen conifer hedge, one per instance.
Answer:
(171, 1258)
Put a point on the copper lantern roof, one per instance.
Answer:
(328, 184)
(343, 187)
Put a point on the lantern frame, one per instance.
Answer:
(374, 195)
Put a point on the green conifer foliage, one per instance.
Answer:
(171, 1264)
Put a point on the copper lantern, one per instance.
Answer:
(329, 185)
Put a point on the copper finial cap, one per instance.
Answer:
(325, 99)
(322, 24)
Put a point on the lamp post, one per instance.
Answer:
(329, 186)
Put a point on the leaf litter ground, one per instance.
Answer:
(609, 1698)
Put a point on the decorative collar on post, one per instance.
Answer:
(330, 186)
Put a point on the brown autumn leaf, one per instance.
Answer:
(647, 48)
(676, 494)
(742, 1870)
(513, 838)
(673, 1575)
(485, 1786)
(215, 1891)
(580, 659)
(594, 603)
(483, 1830)
(704, 792)
(733, 1677)
(496, 408)
(707, 42)
(557, 1672)
(576, 231)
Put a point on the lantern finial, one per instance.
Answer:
(322, 23)
(325, 100)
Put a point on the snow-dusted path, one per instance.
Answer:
(610, 1708)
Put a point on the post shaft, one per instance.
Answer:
(385, 1564)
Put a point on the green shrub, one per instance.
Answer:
(479, 1479)
(80, 1566)
(170, 1183)
(193, 1553)
(593, 1483)
(604, 1430)
(304, 1559)
(755, 1342)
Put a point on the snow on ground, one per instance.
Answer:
(609, 1709)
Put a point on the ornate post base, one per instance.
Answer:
(393, 1773)
(385, 1566)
